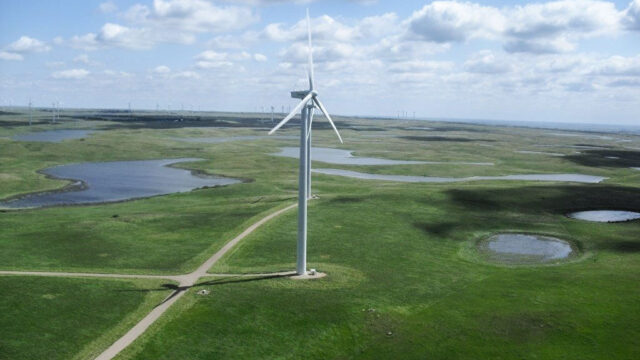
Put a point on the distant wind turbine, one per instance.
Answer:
(307, 105)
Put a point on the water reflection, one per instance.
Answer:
(589, 179)
(116, 181)
(53, 135)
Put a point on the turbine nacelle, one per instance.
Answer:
(301, 94)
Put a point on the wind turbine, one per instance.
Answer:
(307, 105)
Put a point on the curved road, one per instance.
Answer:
(186, 281)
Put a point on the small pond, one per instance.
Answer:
(117, 181)
(345, 157)
(589, 179)
(222, 139)
(605, 216)
(53, 135)
(524, 248)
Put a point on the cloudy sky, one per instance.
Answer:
(568, 60)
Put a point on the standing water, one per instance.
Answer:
(117, 181)
(525, 249)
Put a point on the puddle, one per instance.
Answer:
(605, 216)
(217, 140)
(524, 248)
(53, 135)
(589, 179)
(117, 181)
(539, 153)
(345, 157)
(418, 128)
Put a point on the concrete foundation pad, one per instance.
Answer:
(309, 276)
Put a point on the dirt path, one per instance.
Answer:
(177, 278)
(186, 281)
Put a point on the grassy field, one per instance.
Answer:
(404, 277)
(70, 318)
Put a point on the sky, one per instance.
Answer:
(554, 61)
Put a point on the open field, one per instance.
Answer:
(70, 318)
(404, 277)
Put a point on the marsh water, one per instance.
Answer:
(589, 179)
(525, 248)
(345, 157)
(605, 215)
(53, 135)
(117, 181)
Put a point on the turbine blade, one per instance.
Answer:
(292, 113)
(310, 49)
(311, 111)
(326, 114)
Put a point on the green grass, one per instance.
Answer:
(398, 252)
(70, 318)
(404, 278)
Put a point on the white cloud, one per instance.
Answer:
(107, 7)
(535, 28)
(75, 74)
(323, 28)
(451, 21)
(259, 57)
(194, 16)
(27, 44)
(120, 74)
(161, 69)
(565, 17)
(4, 55)
(632, 16)
(539, 46)
(167, 21)
(420, 66)
(617, 66)
(486, 62)
(211, 59)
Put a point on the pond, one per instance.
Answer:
(53, 135)
(605, 215)
(117, 181)
(589, 179)
(345, 157)
(512, 248)
(222, 139)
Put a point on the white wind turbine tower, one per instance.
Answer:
(307, 105)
